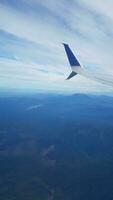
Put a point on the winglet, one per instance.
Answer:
(71, 75)
(71, 57)
(72, 60)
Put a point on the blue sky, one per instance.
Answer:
(31, 53)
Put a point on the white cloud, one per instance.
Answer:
(40, 61)
(33, 107)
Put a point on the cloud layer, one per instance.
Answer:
(31, 33)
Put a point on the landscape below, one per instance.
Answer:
(56, 147)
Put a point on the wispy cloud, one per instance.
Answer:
(34, 107)
(31, 33)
